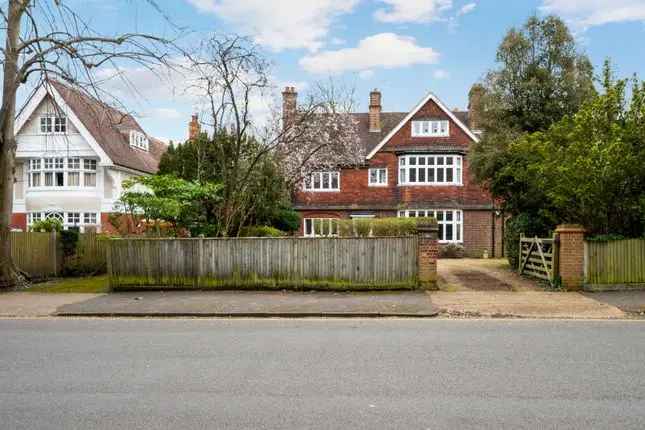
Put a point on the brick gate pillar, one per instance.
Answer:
(572, 255)
(428, 252)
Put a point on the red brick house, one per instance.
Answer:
(416, 166)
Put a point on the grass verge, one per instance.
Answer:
(90, 284)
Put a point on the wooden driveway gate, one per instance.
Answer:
(539, 258)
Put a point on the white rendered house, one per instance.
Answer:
(73, 155)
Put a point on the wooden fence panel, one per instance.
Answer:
(202, 262)
(615, 262)
(36, 254)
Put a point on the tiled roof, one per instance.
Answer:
(111, 130)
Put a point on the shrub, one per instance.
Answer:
(69, 241)
(47, 225)
(377, 227)
(452, 251)
(260, 231)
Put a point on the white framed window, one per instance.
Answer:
(53, 124)
(68, 219)
(138, 140)
(430, 170)
(450, 221)
(322, 181)
(431, 128)
(61, 172)
(320, 227)
(377, 177)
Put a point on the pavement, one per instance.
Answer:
(321, 374)
(255, 304)
(459, 304)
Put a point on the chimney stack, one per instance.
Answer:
(475, 96)
(289, 106)
(193, 128)
(375, 111)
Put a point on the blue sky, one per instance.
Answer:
(403, 47)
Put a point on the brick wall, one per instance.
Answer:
(478, 233)
(18, 221)
(572, 255)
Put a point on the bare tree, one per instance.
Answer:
(45, 39)
(231, 75)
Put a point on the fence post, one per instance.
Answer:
(53, 249)
(427, 231)
(572, 255)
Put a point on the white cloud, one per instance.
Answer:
(589, 13)
(289, 25)
(163, 113)
(466, 9)
(366, 74)
(441, 74)
(384, 50)
(419, 11)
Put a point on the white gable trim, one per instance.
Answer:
(409, 116)
(37, 99)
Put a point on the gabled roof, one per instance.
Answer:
(454, 116)
(105, 128)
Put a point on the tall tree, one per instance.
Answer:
(46, 39)
(231, 74)
(541, 78)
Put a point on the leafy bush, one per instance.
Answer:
(451, 251)
(377, 227)
(605, 238)
(47, 225)
(286, 219)
(69, 241)
(260, 231)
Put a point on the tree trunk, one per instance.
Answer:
(9, 274)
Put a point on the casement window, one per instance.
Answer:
(138, 140)
(431, 128)
(89, 174)
(53, 124)
(430, 170)
(451, 226)
(322, 181)
(68, 219)
(61, 172)
(321, 227)
(377, 177)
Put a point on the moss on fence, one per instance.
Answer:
(134, 283)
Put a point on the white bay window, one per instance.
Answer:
(450, 222)
(430, 170)
(67, 219)
(56, 172)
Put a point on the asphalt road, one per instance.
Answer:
(328, 374)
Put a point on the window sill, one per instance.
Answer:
(66, 188)
(321, 191)
(431, 185)
(377, 185)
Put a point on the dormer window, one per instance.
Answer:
(138, 140)
(430, 128)
(53, 124)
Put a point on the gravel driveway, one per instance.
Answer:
(473, 274)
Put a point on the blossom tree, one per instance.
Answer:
(231, 77)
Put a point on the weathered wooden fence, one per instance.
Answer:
(36, 253)
(620, 262)
(372, 262)
(40, 254)
(538, 258)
